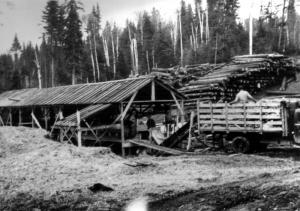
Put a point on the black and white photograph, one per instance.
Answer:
(149, 105)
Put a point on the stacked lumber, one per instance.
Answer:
(222, 82)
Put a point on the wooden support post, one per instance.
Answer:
(35, 120)
(260, 117)
(60, 114)
(211, 117)
(198, 117)
(61, 135)
(226, 117)
(20, 117)
(93, 132)
(153, 91)
(78, 129)
(122, 130)
(10, 117)
(32, 121)
(190, 131)
(180, 108)
(183, 114)
(46, 118)
(1, 120)
(245, 118)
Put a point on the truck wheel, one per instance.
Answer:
(240, 144)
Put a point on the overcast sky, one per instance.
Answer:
(23, 17)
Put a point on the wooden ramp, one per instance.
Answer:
(156, 147)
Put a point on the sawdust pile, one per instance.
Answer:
(36, 172)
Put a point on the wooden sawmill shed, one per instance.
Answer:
(79, 111)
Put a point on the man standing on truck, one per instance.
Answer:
(243, 97)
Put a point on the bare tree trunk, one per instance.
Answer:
(207, 26)
(181, 43)
(106, 53)
(114, 54)
(117, 48)
(73, 75)
(200, 16)
(96, 57)
(136, 56)
(148, 64)
(216, 49)
(153, 58)
(52, 71)
(282, 25)
(37, 63)
(92, 59)
(250, 33)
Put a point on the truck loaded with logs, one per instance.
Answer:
(247, 126)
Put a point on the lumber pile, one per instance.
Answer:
(220, 83)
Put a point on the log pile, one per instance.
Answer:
(220, 83)
(180, 76)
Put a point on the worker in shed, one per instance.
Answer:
(242, 97)
(150, 125)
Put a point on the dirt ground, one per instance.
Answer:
(39, 174)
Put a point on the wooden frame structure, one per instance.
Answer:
(84, 104)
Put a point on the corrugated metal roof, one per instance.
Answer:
(80, 94)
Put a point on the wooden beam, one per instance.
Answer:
(177, 103)
(1, 120)
(20, 117)
(128, 105)
(52, 128)
(153, 91)
(10, 117)
(93, 132)
(122, 130)
(46, 118)
(198, 117)
(32, 120)
(121, 115)
(79, 140)
(35, 120)
(190, 131)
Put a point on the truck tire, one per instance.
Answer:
(240, 144)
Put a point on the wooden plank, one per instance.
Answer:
(93, 132)
(264, 104)
(237, 122)
(260, 118)
(122, 130)
(128, 105)
(156, 147)
(240, 110)
(177, 103)
(240, 116)
(198, 117)
(20, 117)
(35, 120)
(153, 91)
(78, 129)
(190, 131)
(238, 129)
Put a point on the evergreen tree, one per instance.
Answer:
(53, 30)
(73, 39)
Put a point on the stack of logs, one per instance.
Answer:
(220, 83)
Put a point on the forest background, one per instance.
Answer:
(83, 49)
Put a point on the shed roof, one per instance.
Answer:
(80, 94)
